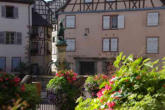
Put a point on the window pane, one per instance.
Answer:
(12, 38)
(114, 44)
(153, 19)
(7, 38)
(152, 45)
(9, 11)
(2, 63)
(70, 21)
(114, 22)
(16, 63)
(106, 45)
(106, 22)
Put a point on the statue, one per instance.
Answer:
(60, 35)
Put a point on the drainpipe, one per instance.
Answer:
(29, 57)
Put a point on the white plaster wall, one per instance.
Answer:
(20, 24)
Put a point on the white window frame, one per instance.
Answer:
(155, 49)
(73, 23)
(109, 48)
(71, 49)
(106, 22)
(120, 22)
(150, 21)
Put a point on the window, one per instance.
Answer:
(70, 45)
(152, 45)
(113, 22)
(153, 19)
(9, 12)
(88, 1)
(16, 63)
(2, 64)
(10, 38)
(70, 21)
(110, 44)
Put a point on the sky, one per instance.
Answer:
(47, 0)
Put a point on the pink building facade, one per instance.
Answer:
(98, 30)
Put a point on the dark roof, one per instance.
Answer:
(18, 1)
(38, 20)
(64, 6)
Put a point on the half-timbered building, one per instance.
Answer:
(41, 37)
(97, 30)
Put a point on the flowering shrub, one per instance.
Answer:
(11, 90)
(69, 75)
(61, 90)
(92, 83)
(137, 85)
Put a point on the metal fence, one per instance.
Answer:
(46, 107)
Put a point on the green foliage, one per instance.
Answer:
(94, 83)
(31, 96)
(61, 90)
(11, 90)
(138, 84)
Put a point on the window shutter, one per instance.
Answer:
(152, 45)
(19, 38)
(3, 11)
(106, 22)
(2, 63)
(2, 37)
(114, 45)
(153, 19)
(106, 45)
(70, 21)
(70, 45)
(15, 12)
(121, 22)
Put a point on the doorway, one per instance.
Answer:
(87, 68)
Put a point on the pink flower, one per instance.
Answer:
(99, 94)
(93, 94)
(107, 87)
(23, 88)
(111, 82)
(105, 77)
(75, 74)
(73, 78)
(1, 79)
(111, 104)
(16, 80)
